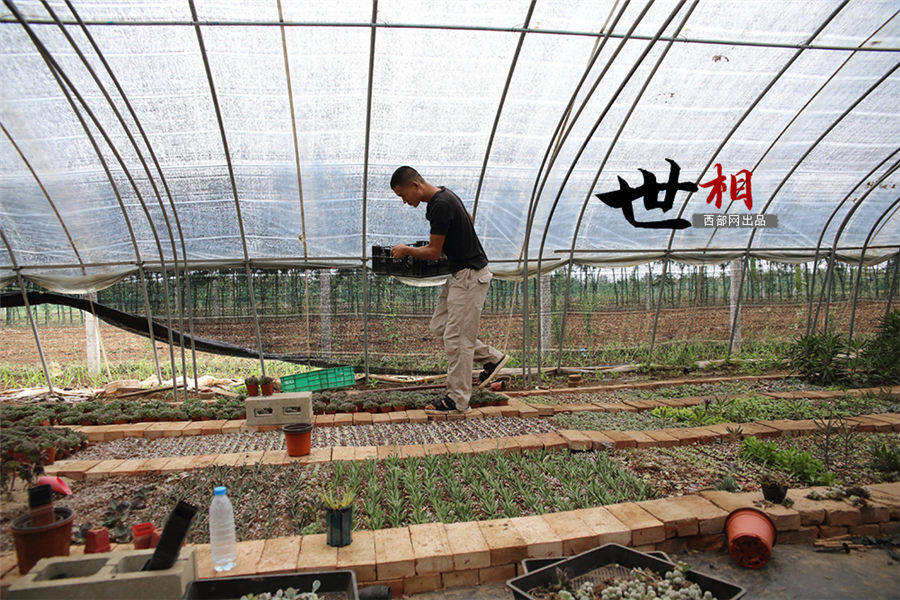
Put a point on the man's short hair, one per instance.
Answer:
(405, 175)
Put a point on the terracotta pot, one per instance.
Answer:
(398, 408)
(50, 455)
(267, 389)
(85, 422)
(141, 534)
(45, 422)
(35, 543)
(120, 421)
(775, 493)
(385, 409)
(298, 438)
(751, 536)
(252, 389)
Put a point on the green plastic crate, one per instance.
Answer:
(323, 379)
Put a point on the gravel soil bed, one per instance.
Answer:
(433, 432)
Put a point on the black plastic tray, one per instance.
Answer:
(533, 564)
(609, 554)
(228, 588)
(384, 264)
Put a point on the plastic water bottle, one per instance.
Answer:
(222, 540)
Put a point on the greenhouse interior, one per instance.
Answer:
(584, 299)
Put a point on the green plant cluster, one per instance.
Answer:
(339, 401)
(796, 463)
(886, 456)
(826, 358)
(95, 412)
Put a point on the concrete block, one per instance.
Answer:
(106, 576)
(279, 409)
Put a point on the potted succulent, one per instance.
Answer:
(385, 406)
(774, 486)
(331, 408)
(397, 405)
(267, 385)
(318, 407)
(338, 517)
(252, 384)
(370, 406)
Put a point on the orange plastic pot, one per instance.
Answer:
(298, 438)
(36, 542)
(267, 389)
(253, 389)
(751, 536)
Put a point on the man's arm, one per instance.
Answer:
(430, 252)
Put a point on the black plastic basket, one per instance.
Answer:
(610, 554)
(384, 264)
(227, 588)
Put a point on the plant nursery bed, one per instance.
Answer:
(433, 432)
(688, 469)
(275, 501)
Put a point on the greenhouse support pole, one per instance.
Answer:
(287, 76)
(140, 156)
(365, 198)
(737, 270)
(509, 76)
(59, 76)
(37, 338)
(859, 269)
(659, 299)
(237, 204)
(736, 307)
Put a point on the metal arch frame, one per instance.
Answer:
(800, 111)
(712, 158)
(784, 180)
(860, 267)
(165, 184)
(58, 76)
(615, 139)
(237, 204)
(487, 28)
(558, 140)
(509, 76)
(53, 65)
(287, 76)
(625, 81)
(365, 198)
(59, 218)
(829, 274)
(37, 338)
(810, 322)
(140, 156)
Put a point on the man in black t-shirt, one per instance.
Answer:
(458, 312)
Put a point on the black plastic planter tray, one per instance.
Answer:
(227, 588)
(533, 564)
(384, 264)
(609, 554)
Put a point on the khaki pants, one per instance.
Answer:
(455, 322)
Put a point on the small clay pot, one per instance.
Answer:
(252, 389)
(36, 542)
(267, 389)
(751, 536)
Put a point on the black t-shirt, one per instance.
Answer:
(448, 217)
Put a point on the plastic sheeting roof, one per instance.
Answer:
(801, 93)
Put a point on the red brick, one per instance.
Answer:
(662, 438)
(621, 439)
(890, 528)
(607, 528)
(467, 578)
(470, 550)
(710, 518)
(316, 554)
(422, 583)
(707, 543)
(599, 441)
(504, 541)
(431, 548)
(827, 531)
(279, 555)
(872, 529)
(645, 528)
(553, 441)
(804, 535)
(495, 574)
(359, 556)
(575, 534)
(577, 440)
(678, 520)
(540, 539)
(394, 554)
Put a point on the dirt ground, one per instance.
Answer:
(410, 336)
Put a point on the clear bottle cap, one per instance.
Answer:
(219, 491)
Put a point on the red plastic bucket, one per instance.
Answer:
(298, 438)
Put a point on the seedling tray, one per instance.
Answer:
(385, 264)
(533, 564)
(323, 379)
(604, 557)
(334, 585)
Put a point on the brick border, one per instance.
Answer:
(575, 440)
(433, 556)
